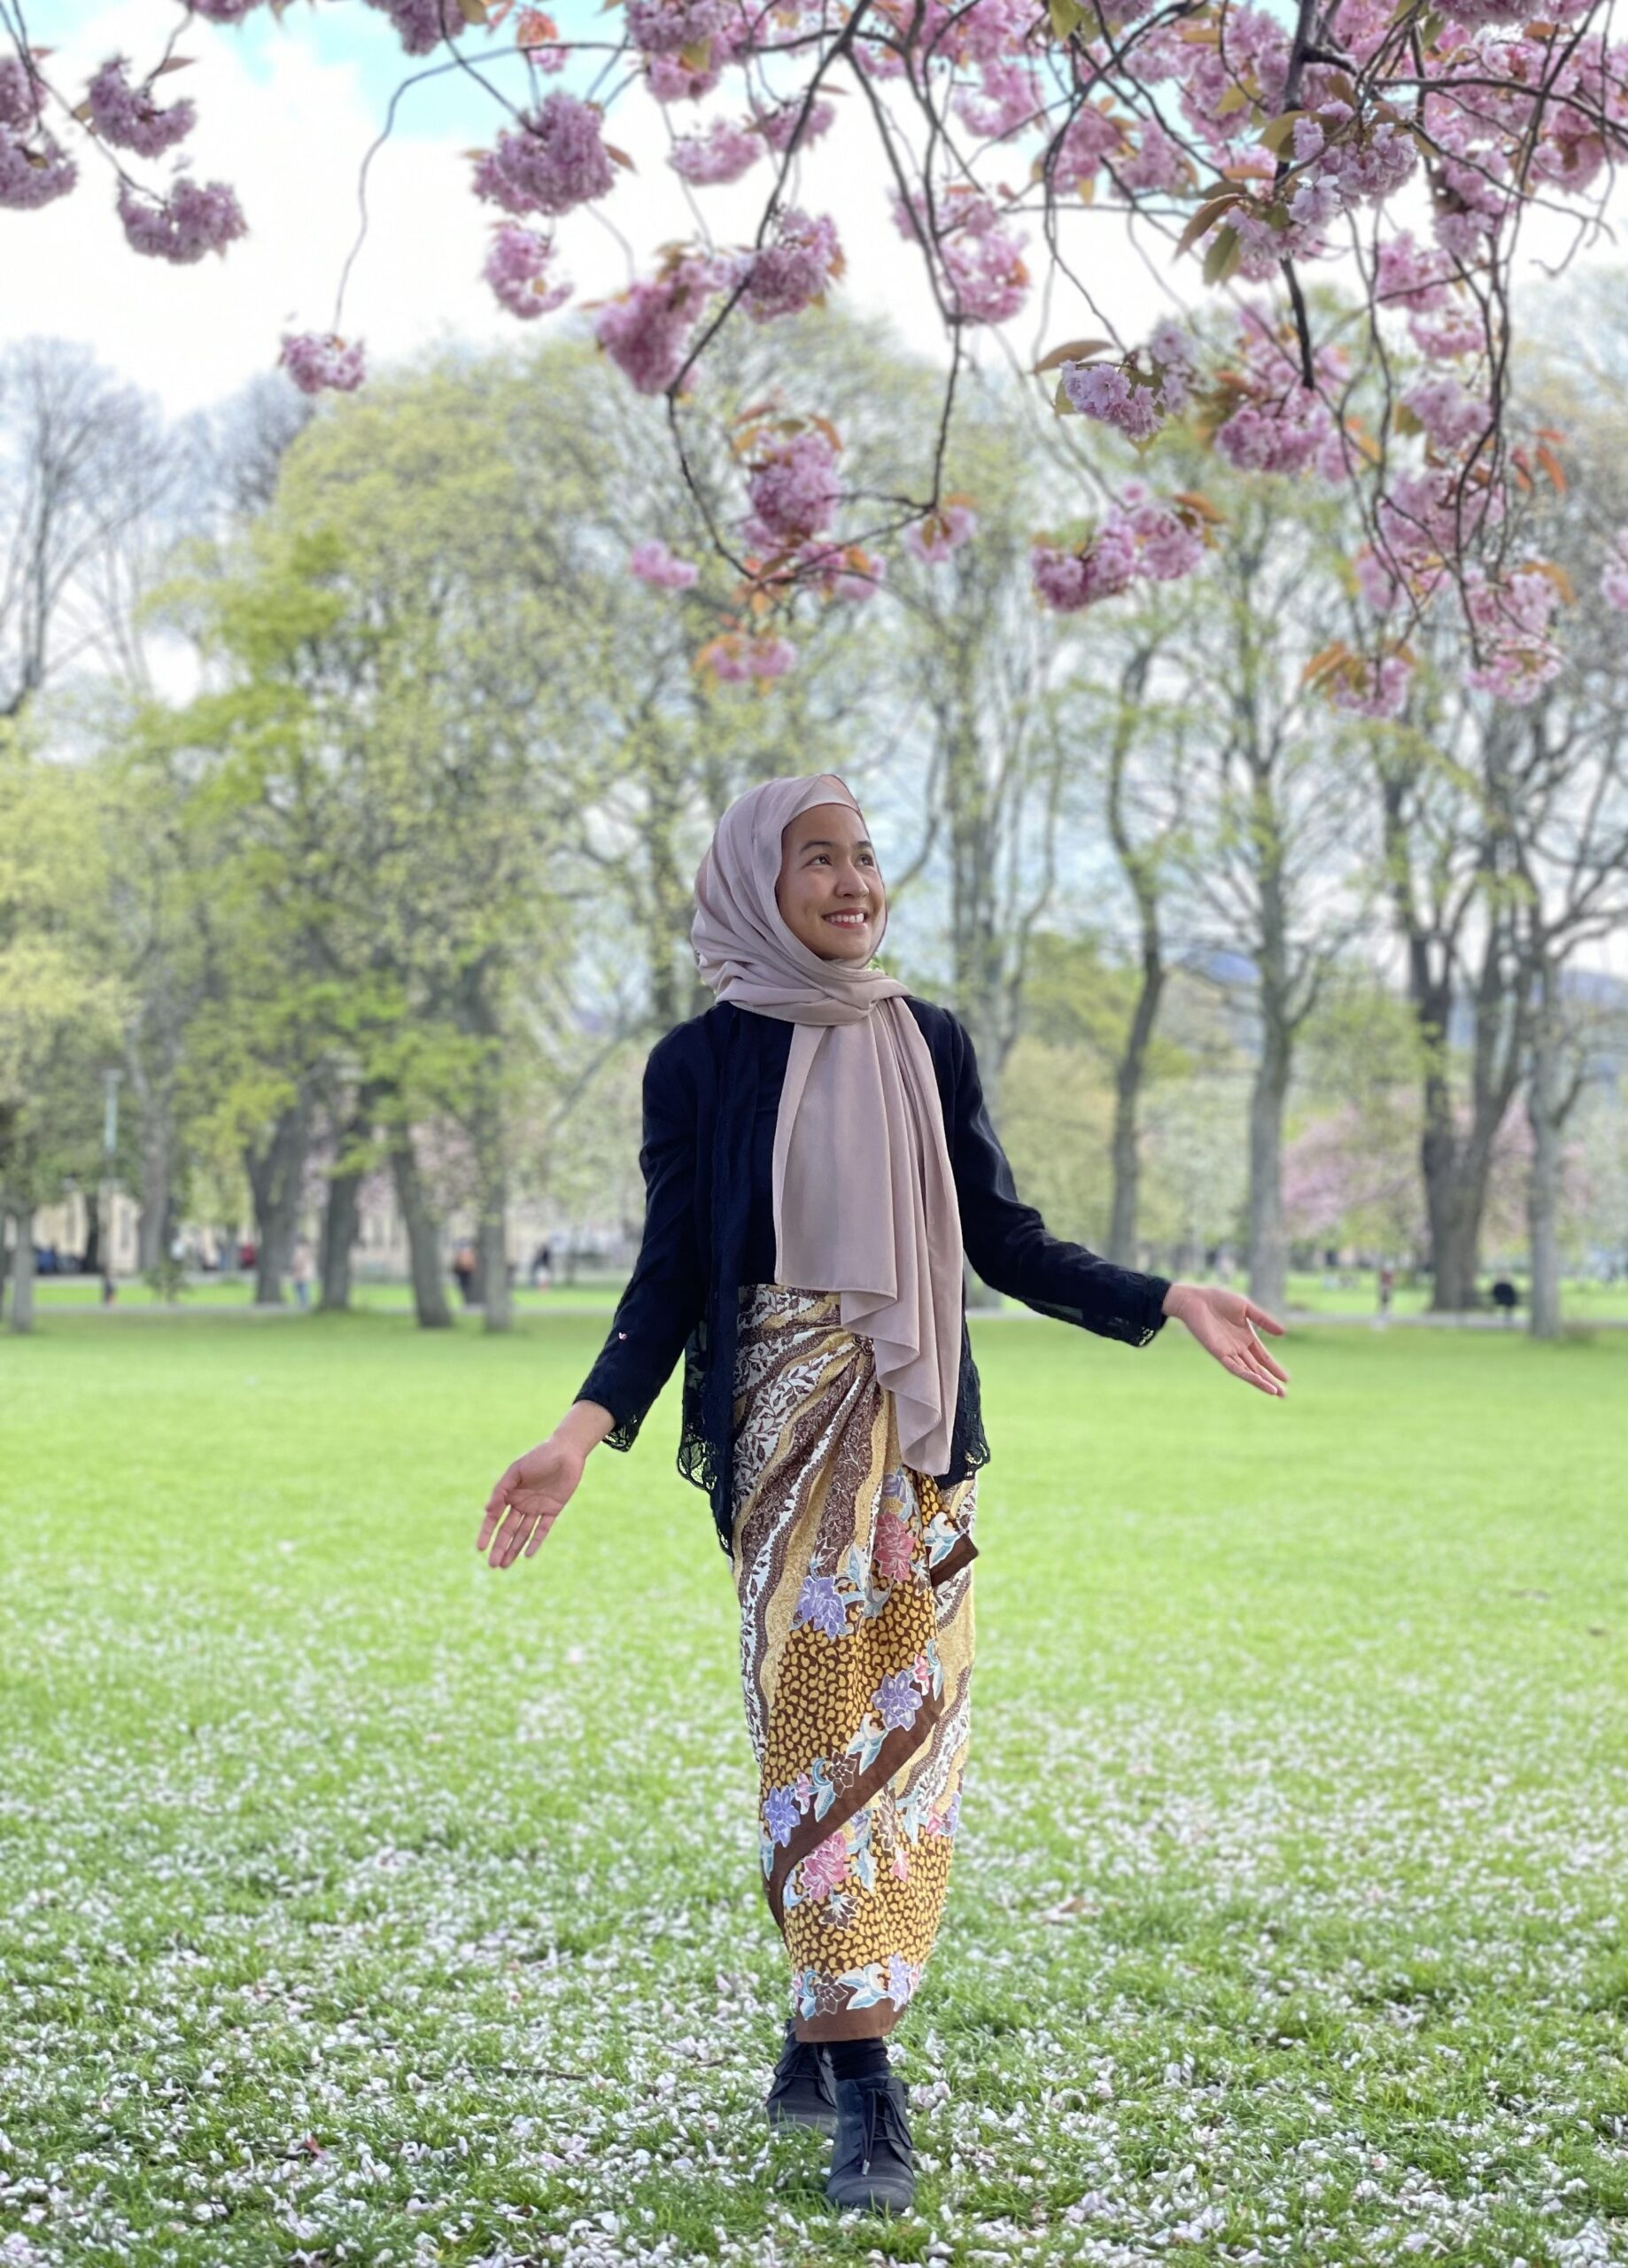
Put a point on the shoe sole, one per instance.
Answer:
(874, 2201)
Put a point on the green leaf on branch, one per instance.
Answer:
(1206, 218)
(1279, 130)
(1223, 256)
(1066, 18)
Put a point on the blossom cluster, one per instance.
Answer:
(1134, 399)
(553, 159)
(34, 168)
(981, 274)
(651, 561)
(194, 219)
(1142, 537)
(646, 330)
(315, 362)
(129, 116)
(518, 268)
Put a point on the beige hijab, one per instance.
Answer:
(864, 1201)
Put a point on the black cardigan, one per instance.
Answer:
(708, 1136)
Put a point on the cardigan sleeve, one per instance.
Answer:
(1010, 1245)
(665, 1295)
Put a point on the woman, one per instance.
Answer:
(816, 1157)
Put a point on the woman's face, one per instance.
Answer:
(830, 888)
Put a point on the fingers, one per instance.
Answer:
(1268, 1322)
(1258, 1353)
(1253, 1373)
(495, 1505)
(511, 1536)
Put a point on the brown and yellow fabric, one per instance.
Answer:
(855, 1578)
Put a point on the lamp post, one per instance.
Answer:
(110, 1140)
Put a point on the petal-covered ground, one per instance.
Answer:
(357, 1903)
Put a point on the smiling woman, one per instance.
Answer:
(817, 1159)
(830, 890)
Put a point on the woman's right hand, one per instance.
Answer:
(537, 1488)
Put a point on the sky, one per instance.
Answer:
(289, 109)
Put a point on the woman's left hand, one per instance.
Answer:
(1224, 1324)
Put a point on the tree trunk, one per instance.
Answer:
(491, 1247)
(92, 1264)
(340, 1218)
(154, 1223)
(276, 1172)
(1127, 1080)
(423, 1238)
(1544, 1110)
(21, 1311)
(1267, 1252)
(342, 1213)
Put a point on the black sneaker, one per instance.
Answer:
(872, 2160)
(803, 2094)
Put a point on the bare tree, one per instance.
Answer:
(86, 469)
(1271, 848)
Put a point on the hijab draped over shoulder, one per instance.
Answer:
(864, 1199)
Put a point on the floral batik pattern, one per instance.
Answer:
(855, 1578)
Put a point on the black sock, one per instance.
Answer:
(858, 2059)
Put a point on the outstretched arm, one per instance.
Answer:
(1012, 1248)
(656, 1313)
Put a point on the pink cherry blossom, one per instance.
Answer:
(553, 160)
(421, 25)
(985, 279)
(722, 152)
(793, 272)
(735, 659)
(34, 169)
(1405, 276)
(672, 80)
(1108, 391)
(665, 27)
(1449, 412)
(129, 116)
(793, 489)
(316, 362)
(777, 126)
(1168, 546)
(1375, 687)
(191, 220)
(933, 540)
(1008, 99)
(1089, 139)
(22, 96)
(646, 332)
(517, 268)
(652, 563)
(1157, 162)
(1276, 433)
(1141, 536)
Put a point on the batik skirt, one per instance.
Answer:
(855, 1578)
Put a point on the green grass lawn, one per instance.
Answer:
(360, 1904)
(1583, 1300)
